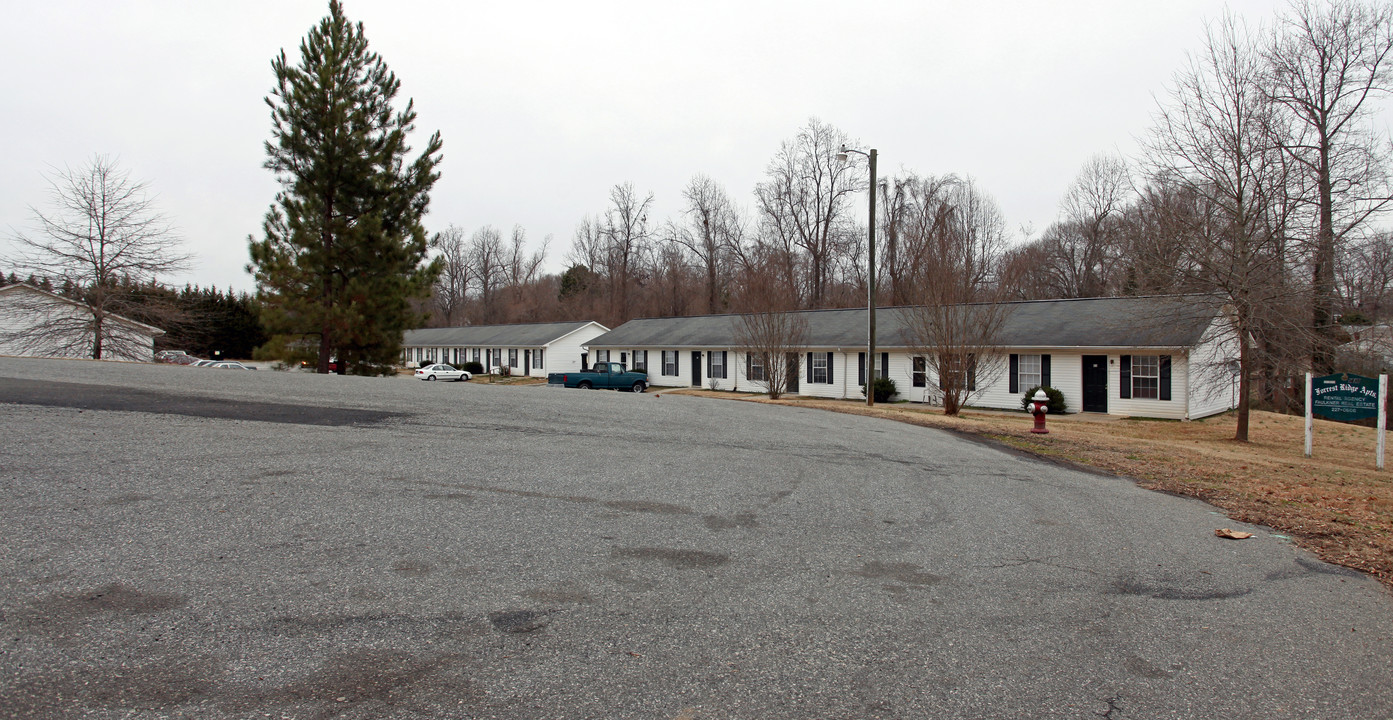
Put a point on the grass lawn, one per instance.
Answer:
(1334, 503)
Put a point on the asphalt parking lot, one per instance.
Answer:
(199, 544)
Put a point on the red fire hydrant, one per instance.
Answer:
(1038, 406)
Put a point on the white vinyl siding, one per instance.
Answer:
(1212, 383)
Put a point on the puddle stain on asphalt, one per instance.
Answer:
(1173, 591)
(646, 506)
(114, 598)
(67, 691)
(360, 683)
(739, 520)
(519, 621)
(80, 396)
(412, 569)
(679, 559)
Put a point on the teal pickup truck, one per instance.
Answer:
(606, 375)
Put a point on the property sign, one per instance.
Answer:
(1344, 397)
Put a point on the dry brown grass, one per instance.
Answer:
(1334, 504)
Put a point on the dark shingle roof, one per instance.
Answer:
(1166, 321)
(520, 335)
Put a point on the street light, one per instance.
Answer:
(870, 279)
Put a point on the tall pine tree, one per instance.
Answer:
(344, 248)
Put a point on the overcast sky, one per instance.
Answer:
(544, 106)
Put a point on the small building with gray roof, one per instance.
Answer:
(1165, 357)
(531, 349)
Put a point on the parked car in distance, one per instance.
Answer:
(229, 365)
(170, 356)
(441, 371)
(202, 363)
(604, 375)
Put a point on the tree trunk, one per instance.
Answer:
(1323, 352)
(1245, 372)
(327, 298)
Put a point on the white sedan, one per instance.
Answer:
(441, 372)
(229, 365)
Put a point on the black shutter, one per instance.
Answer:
(810, 367)
(885, 365)
(861, 368)
(725, 362)
(1124, 383)
(971, 371)
(749, 367)
(708, 362)
(1165, 377)
(1045, 371)
(829, 368)
(1014, 383)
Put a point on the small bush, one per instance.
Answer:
(1056, 405)
(505, 371)
(473, 368)
(884, 389)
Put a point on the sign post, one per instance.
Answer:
(1310, 423)
(1346, 398)
(1382, 415)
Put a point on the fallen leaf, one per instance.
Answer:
(1233, 534)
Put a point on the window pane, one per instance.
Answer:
(1028, 372)
(1146, 377)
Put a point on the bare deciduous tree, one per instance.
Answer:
(711, 232)
(1327, 60)
(626, 235)
(1081, 249)
(1366, 276)
(954, 325)
(522, 267)
(101, 236)
(489, 264)
(770, 330)
(804, 204)
(452, 287)
(1215, 143)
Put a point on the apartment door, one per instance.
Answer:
(1095, 383)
